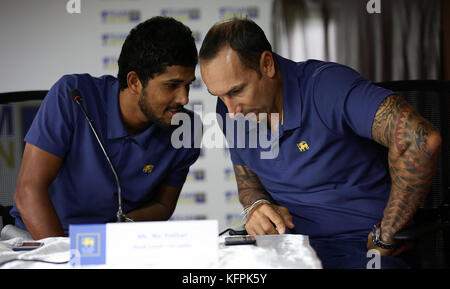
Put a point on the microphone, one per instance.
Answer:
(75, 94)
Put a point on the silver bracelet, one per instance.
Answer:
(247, 210)
(376, 238)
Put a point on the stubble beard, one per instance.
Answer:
(150, 114)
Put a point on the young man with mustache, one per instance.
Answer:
(65, 178)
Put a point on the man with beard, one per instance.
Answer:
(353, 161)
(65, 178)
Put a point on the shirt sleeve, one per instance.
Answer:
(52, 127)
(177, 177)
(345, 101)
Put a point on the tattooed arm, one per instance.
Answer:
(414, 145)
(264, 218)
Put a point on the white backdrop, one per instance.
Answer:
(41, 41)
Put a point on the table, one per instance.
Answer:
(271, 252)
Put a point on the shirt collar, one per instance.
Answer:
(292, 104)
(116, 129)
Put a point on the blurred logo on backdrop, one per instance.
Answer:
(197, 37)
(251, 12)
(110, 63)
(234, 220)
(121, 16)
(229, 174)
(182, 14)
(113, 39)
(186, 217)
(232, 197)
(192, 198)
(196, 175)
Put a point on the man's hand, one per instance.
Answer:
(268, 219)
(264, 218)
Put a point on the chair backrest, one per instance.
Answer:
(17, 111)
(431, 98)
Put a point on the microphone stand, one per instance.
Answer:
(76, 96)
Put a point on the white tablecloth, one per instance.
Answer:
(271, 252)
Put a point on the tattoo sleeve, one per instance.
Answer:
(249, 187)
(414, 145)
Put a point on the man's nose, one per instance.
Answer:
(182, 97)
(233, 109)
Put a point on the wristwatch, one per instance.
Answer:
(376, 238)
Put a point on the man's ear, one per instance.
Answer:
(134, 83)
(267, 64)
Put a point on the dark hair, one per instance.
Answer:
(153, 45)
(243, 35)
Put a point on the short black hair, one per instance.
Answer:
(243, 35)
(153, 45)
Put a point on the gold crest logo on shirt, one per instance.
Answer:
(303, 146)
(147, 169)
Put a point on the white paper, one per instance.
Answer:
(169, 244)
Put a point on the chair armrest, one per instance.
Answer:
(419, 231)
(416, 231)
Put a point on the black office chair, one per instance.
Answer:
(20, 96)
(431, 98)
(16, 101)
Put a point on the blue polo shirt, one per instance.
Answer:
(84, 191)
(328, 172)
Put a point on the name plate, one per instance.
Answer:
(167, 244)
